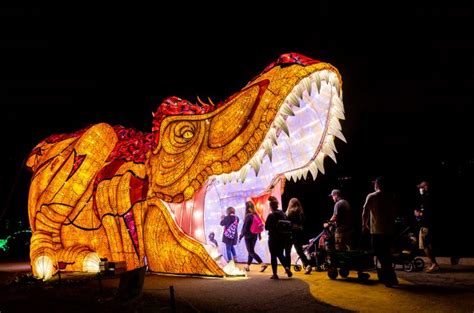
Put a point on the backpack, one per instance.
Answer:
(284, 228)
(257, 225)
(231, 231)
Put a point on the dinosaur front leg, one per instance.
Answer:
(169, 250)
(60, 185)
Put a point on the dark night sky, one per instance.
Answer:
(407, 71)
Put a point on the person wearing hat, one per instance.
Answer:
(381, 207)
(423, 215)
(343, 221)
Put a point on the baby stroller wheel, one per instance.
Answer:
(419, 264)
(332, 272)
(297, 268)
(408, 266)
(344, 272)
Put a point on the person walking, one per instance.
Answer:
(295, 214)
(380, 206)
(424, 216)
(251, 236)
(230, 236)
(276, 240)
(343, 221)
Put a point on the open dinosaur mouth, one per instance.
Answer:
(301, 135)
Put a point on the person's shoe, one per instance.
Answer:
(274, 276)
(308, 270)
(247, 268)
(288, 272)
(433, 268)
(263, 268)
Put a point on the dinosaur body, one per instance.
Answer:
(115, 193)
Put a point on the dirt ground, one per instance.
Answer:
(450, 290)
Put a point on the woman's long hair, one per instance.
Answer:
(249, 208)
(295, 208)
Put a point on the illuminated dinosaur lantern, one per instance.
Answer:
(115, 193)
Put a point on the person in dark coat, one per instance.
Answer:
(276, 243)
(230, 221)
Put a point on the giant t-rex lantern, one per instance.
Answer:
(109, 192)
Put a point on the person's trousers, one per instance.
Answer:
(276, 251)
(230, 250)
(381, 244)
(250, 245)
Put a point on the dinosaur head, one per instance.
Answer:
(283, 122)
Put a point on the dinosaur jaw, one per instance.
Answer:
(301, 135)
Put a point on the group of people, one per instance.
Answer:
(378, 219)
(280, 242)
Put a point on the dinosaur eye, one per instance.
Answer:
(188, 134)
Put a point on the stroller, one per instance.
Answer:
(340, 263)
(316, 251)
(405, 248)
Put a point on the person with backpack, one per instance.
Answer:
(251, 230)
(296, 216)
(277, 237)
(229, 237)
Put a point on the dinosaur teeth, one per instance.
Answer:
(329, 152)
(281, 123)
(273, 136)
(255, 164)
(267, 145)
(313, 168)
(306, 83)
(243, 173)
(338, 134)
(293, 100)
(337, 102)
(330, 142)
(285, 108)
(320, 162)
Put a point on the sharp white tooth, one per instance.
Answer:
(338, 134)
(334, 122)
(285, 108)
(288, 176)
(329, 152)
(267, 145)
(338, 103)
(255, 165)
(293, 99)
(307, 84)
(299, 174)
(320, 162)
(324, 75)
(337, 113)
(299, 91)
(314, 89)
(330, 142)
(243, 173)
(294, 175)
(317, 80)
(335, 82)
(305, 173)
(313, 168)
(236, 175)
(273, 136)
(280, 122)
